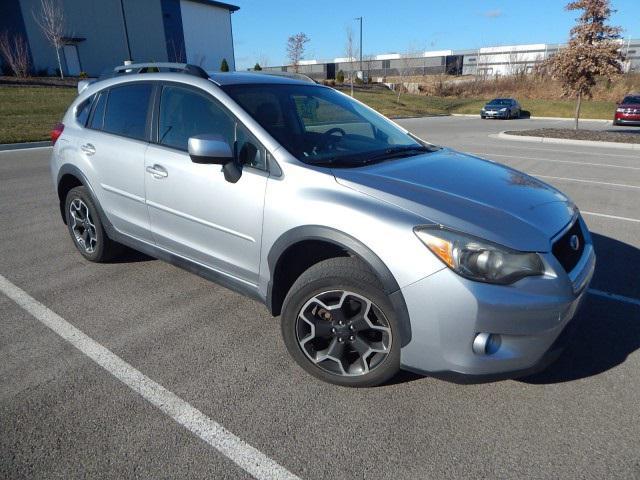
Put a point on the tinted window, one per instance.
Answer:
(500, 101)
(82, 112)
(635, 100)
(98, 112)
(126, 112)
(185, 113)
(249, 150)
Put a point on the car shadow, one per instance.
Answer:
(623, 129)
(608, 330)
(130, 255)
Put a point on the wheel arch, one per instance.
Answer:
(310, 244)
(70, 176)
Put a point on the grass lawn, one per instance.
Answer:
(417, 105)
(28, 113)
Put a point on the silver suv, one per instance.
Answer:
(377, 249)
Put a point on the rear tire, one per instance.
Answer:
(86, 229)
(338, 324)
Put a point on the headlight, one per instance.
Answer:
(503, 109)
(478, 259)
(620, 110)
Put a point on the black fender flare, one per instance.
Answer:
(354, 247)
(70, 169)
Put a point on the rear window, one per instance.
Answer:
(126, 112)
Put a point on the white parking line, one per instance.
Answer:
(580, 180)
(607, 165)
(241, 453)
(613, 217)
(613, 296)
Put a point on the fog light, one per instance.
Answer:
(486, 343)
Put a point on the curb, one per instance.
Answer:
(603, 120)
(566, 141)
(4, 147)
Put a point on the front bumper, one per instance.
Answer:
(493, 114)
(448, 311)
(626, 119)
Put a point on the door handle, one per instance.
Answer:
(158, 171)
(88, 148)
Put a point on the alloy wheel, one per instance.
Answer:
(343, 333)
(82, 226)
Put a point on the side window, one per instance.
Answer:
(97, 118)
(82, 112)
(126, 112)
(185, 113)
(249, 151)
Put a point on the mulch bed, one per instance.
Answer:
(627, 136)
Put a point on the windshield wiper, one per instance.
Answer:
(364, 158)
(397, 152)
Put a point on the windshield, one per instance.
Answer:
(500, 101)
(320, 126)
(635, 100)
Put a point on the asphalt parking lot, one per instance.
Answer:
(64, 416)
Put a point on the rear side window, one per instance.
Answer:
(97, 117)
(82, 112)
(126, 112)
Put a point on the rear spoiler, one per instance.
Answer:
(82, 84)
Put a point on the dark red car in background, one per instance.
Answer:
(628, 111)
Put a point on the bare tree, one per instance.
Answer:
(406, 65)
(349, 53)
(263, 60)
(592, 51)
(14, 51)
(295, 48)
(50, 18)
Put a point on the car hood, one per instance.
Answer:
(468, 194)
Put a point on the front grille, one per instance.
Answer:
(564, 248)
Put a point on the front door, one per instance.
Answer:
(194, 212)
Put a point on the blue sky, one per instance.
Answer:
(261, 27)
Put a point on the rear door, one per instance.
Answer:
(194, 211)
(113, 145)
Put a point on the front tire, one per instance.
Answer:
(338, 324)
(86, 229)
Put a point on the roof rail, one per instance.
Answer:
(158, 66)
(297, 76)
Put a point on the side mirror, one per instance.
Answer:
(209, 149)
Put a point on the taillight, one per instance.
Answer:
(56, 132)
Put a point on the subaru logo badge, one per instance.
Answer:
(574, 242)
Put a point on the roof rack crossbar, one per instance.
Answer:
(180, 67)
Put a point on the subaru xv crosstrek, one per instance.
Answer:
(377, 249)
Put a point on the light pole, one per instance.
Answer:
(360, 18)
(126, 31)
